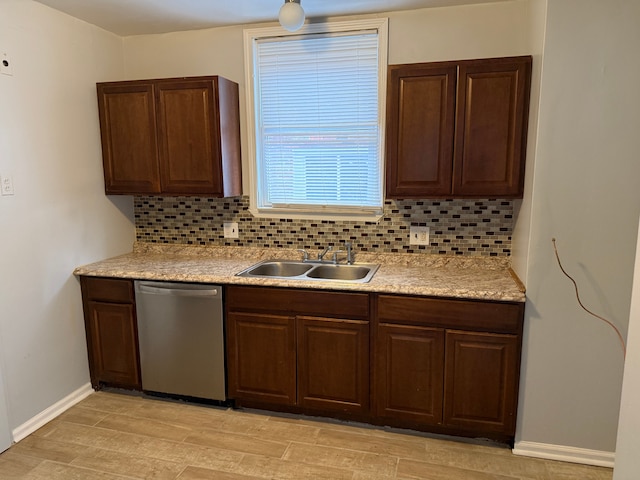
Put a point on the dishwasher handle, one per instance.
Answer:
(177, 291)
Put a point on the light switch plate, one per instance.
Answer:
(418, 235)
(230, 229)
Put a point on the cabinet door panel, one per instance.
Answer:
(129, 143)
(420, 129)
(491, 127)
(261, 357)
(189, 143)
(333, 364)
(113, 348)
(481, 381)
(409, 373)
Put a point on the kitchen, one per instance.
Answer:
(59, 218)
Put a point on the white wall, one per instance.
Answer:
(627, 464)
(59, 216)
(536, 21)
(585, 193)
(426, 35)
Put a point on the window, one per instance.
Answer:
(316, 119)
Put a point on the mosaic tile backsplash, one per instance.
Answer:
(457, 227)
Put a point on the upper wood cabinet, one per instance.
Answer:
(171, 136)
(457, 129)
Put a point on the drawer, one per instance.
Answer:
(115, 290)
(291, 301)
(502, 317)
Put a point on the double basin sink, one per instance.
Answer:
(296, 270)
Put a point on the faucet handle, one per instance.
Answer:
(305, 254)
(334, 257)
(324, 252)
(349, 252)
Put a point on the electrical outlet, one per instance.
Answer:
(6, 67)
(230, 229)
(418, 235)
(6, 185)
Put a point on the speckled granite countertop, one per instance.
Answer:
(482, 278)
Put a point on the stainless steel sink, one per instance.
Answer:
(280, 269)
(348, 273)
(293, 270)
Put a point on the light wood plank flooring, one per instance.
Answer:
(112, 436)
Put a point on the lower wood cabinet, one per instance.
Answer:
(111, 329)
(448, 365)
(333, 364)
(481, 381)
(298, 348)
(442, 365)
(409, 373)
(261, 357)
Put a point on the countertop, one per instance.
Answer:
(480, 278)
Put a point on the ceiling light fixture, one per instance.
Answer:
(291, 15)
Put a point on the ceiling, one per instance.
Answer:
(139, 17)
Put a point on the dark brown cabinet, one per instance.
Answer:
(457, 129)
(261, 357)
(111, 330)
(481, 379)
(410, 373)
(449, 364)
(333, 364)
(171, 136)
(298, 348)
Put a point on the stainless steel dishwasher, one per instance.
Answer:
(181, 337)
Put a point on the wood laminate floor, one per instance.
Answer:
(111, 436)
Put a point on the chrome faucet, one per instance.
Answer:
(348, 251)
(324, 252)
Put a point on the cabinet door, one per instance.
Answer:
(481, 381)
(129, 145)
(113, 344)
(189, 143)
(409, 373)
(333, 364)
(491, 124)
(420, 128)
(261, 357)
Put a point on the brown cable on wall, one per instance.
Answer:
(575, 285)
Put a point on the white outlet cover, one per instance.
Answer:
(418, 235)
(6, 185)
(230, 229)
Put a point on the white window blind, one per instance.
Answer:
(318, 121)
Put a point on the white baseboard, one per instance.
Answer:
(565, 454)
(30, 426)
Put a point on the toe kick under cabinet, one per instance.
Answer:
(442, 365)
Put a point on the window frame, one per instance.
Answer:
(329, 212)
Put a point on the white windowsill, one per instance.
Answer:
(282, 213)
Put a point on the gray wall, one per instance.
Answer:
(585, 193)
(59, 216)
